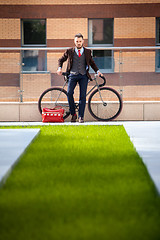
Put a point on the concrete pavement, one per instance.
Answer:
(13, 142)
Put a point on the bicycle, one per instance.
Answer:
(104, 103)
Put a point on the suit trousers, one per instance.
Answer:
(82, 80)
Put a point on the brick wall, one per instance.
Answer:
(10, 28)
(66, 2)
(135, 61)
(34, 85)
(9, 62)
(9, 94)
(62, 28)
(134, 25)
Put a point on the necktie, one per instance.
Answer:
(79, 54)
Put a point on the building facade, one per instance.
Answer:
(103, 23)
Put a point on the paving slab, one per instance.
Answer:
(13, 142)
(56, 124)
(146, 139)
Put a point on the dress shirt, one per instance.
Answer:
(81, 50)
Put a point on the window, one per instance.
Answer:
(158, 32)
(101, 35)
(158, 44)
(34, 35)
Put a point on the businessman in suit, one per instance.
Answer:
(79, 59)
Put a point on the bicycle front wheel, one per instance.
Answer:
(105, 104)
(53, 97)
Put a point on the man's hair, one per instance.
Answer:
(79, 35)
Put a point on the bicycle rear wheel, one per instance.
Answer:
(105, 104)
(53, 97)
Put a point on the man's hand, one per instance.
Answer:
(100, 74)
(59, 71)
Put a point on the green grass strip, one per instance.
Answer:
(80, 183)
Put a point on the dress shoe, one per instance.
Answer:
(74, 117)
(81, 120)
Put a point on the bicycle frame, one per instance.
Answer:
(96, 85)
(61, 91)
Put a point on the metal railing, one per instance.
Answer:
(25, 72)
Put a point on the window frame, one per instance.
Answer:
(22, 33)
(157, 55)
(33, 45)
(102, 45)
(157, 33)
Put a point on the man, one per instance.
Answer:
(79, 60)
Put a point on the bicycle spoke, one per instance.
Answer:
(108, 104)
(54, 97)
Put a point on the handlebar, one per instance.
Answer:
(66, 74)
(102, 84)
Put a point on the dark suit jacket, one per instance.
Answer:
(69, 55)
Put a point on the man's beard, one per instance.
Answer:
(80, 47)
